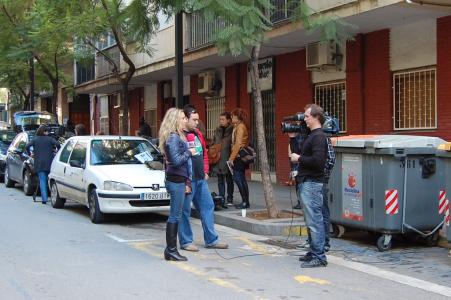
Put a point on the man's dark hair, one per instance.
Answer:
(316, 112)
(80, 129)
(41, 130)
(189, 109)
(227, 115)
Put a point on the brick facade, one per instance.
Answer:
(444, 77)
(293, 90)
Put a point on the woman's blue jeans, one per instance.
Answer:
(43, 176)
(177, 192)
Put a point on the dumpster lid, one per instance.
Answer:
(387, 141)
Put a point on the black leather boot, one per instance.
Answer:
(171, 252)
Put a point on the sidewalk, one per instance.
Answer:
(285, 199)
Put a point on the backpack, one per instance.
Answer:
(330, 161)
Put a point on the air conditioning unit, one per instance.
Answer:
(321, 54)
(117, 101)
(206, 82)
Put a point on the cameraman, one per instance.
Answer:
(312, 159)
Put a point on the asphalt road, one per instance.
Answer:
(47, 253)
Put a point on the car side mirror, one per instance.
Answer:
(76, 164)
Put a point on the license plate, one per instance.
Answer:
(154, 196)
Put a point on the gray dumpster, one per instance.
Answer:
(444, 203)
(387, 184)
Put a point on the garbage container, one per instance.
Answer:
(444, 155)
(387, 184)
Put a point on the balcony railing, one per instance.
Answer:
(282, 10)
(200, 32)
(104, 67)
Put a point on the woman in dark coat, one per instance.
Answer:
(223, 136)
(43, 153)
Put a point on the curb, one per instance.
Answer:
(270, 227)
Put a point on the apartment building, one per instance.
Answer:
(394, 78)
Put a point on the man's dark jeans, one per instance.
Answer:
(326, 217)
(222, 180)
(312, 198)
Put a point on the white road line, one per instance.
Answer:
(403, 279)
(118, 239)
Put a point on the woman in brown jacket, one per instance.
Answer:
(240, 139)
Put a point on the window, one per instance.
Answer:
(332, 98)
(66, 151)
(414, 99)
(151, 118)
(79, 153)
(215, 107)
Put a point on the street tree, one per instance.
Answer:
(246, 22)
(131, 23)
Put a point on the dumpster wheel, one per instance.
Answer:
(336, 231)
(384, 242)
(432, 240)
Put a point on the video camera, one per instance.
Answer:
(296, 123)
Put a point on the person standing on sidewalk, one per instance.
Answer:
(200, 194)
(177, 156)
(223, 136)
(240, 139)
(310, 178)
(43, 152)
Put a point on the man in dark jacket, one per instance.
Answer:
(200, 194)
(310, 178)
(144, 128)
(43, 152)
(223, 137)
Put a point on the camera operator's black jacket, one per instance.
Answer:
(313, 158)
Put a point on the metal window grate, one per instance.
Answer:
(269, 121)
(414, 100)
(200, 32)
(332, 98)
(215, 107)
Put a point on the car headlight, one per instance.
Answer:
(116, 186)
(2, 156)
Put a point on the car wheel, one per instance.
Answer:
(57, 201)
(8, 182)
(28, 186)
(94, 211)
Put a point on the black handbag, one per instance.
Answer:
(247, 155)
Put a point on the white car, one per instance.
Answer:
(109, 175)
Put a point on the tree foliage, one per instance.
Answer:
(35, 29)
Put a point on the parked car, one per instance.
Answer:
(109, 174)
(6, 137)
(31, 120)
(19, 166)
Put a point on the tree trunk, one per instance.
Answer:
(124, 100)
(54, 97)
(271, 206)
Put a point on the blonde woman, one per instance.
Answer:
(177, 155)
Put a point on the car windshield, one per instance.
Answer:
(114, 152)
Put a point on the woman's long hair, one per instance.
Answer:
(170, 124)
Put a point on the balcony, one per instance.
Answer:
(84, 72)
(200, 33)
(103, 66)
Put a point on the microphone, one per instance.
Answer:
(191, 140)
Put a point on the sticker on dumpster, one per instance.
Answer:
(447, 213)
(391, 202)
(441, 202)
(352, 187)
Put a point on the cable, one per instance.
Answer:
(266, 253)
